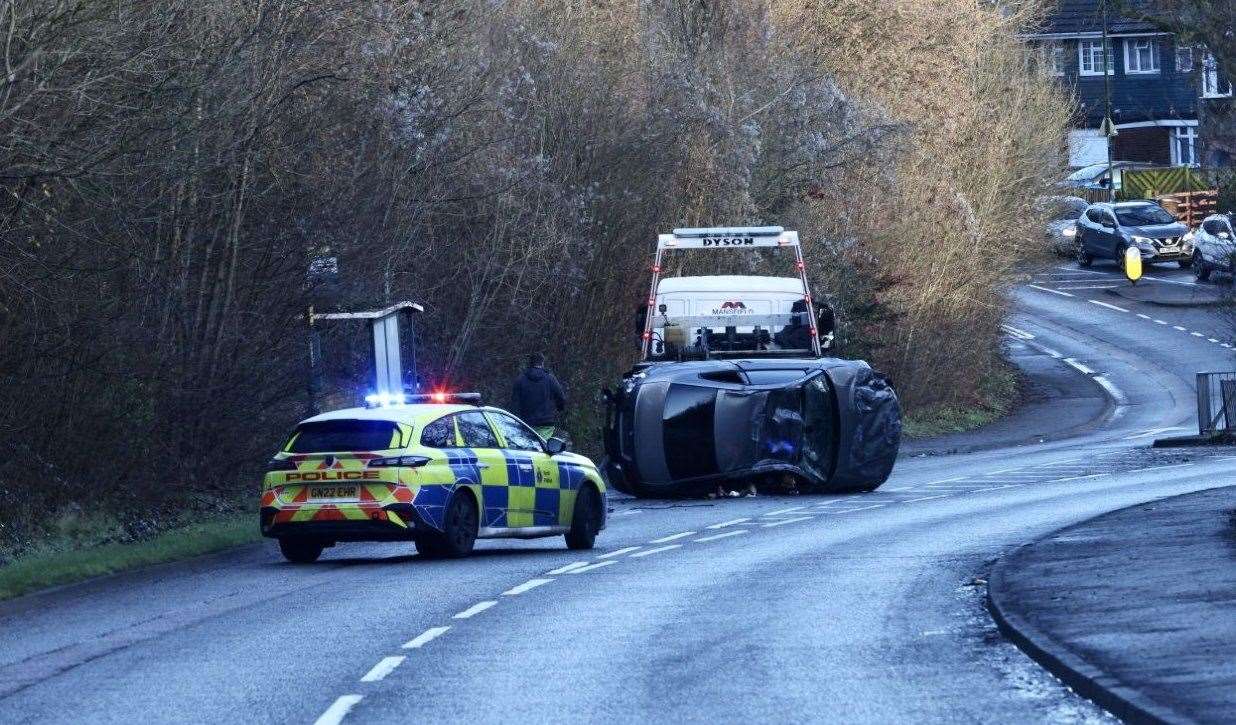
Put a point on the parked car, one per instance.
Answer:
(1096, 176)
(1062, 213)
(1105, 231)
(1213, 245)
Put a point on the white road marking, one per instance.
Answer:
(1211, 339)
(714, 537)
(1197, 334)
(530, 584)
(782, 522)
(1117, 394)
(671, 537)
(1020, 334)
(1079, 367)
(383, 668)
(1110, 307)
(1144, 317)
(425, 637)
(862, 508)
(475, 609)
(1052, 353)
(1151, 432)
(1178, 327)
(1091, 286)
(568, 568)
(1224, 344)
(924, 498)
(723, 524)
(1048, 289)
(657, 550)
(1080, 478)
(338, 709)
(592, 567)
(628, 513)
(1171, 281)
(946, 480)
(619, 552)
(1160, 322)
(778, 512)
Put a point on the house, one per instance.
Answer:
(1156, 85)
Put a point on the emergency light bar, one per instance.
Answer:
(386, 400)
(727, 238)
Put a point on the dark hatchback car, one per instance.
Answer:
(681, 428)
(1105, 231)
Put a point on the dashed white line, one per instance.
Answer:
(475, 609)
(1048, 289)
(1178, 327)
(1116, 393)
(783, 522)
(778, 512)
(619, 552)
(1211, 339)
(1110, 307)
(1160, 322)
(1079, 367)
(338, 709)
(1144, 317)
(1020, 334)
(924, 498)
(425, 637)
(1197, 334)
(386, 666)
(724, 524)
(714, 537)
(592, 567)
(568, 568)
(1090, 286)
(1078, 478)
(672, 537)
(521, 588)
(1224, 344)
(657, 550)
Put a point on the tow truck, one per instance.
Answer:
(733, 387)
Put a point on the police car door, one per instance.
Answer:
(533, 473)
(478, 437)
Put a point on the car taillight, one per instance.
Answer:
(404, 461)
(281, 464)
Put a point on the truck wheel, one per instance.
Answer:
(585, 520)
(300, 551)
(459, 525)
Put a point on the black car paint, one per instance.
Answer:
(677, 428)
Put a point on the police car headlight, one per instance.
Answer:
(398, 461)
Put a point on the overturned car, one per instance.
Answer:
(683, 427)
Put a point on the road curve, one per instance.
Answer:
(862, 608)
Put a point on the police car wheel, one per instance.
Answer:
(585, 521)
(459, 523)
(300, 551)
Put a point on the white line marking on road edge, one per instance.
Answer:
(1160, 322)
(1211, 339)
(425, 637)
(1110, 307)
(565, 569)
(1151, 432)
(383, 668)
(778, 512)
(1164, 468)
(1079, 478)
(1020, 334)
(338, 709)
(530, 584)
(1090, 286)
(619, 552)
(1178, 327)
(925, 498)
(868, 508)
(782, 522)
(714, 537)
(1224, 344)
(592, 567)
(671, 537)
(1144, 317)
(1117, 394)
(1079, 367)
(475, 609)
(1048, 289)
(1197, 334)
(657, 550)
(723, 524)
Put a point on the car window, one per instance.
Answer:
(518, 436)
(329, 436)
(1136, 216)
(440, 433)
(476, 431)
(1095, 215)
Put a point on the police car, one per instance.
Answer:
(439, 470)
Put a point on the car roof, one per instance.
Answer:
(407, 414)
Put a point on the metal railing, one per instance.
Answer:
(1216, 403)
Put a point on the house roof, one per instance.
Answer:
(1086, 16)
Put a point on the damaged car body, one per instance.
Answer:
(681, 428)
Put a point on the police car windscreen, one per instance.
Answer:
(332, 436)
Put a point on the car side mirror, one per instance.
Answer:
(555, 445)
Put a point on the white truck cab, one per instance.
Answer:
(728, 315)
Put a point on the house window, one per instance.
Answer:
(1211, 85)
(1141, 56)
(1091, 59)
(1053, 57)
(1184, 60)
(1184, 146)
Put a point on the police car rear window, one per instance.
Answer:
(345, 435)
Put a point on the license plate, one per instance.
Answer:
(334, 493)
(1169, 250)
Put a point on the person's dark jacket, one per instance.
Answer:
(538, 397)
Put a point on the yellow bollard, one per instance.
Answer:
(1133, 264)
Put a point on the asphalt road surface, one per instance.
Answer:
(856, 608)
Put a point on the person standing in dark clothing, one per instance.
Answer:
(537, 397)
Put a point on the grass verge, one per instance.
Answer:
(996, 397)
(42, 569)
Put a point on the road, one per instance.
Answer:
(856, 608)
